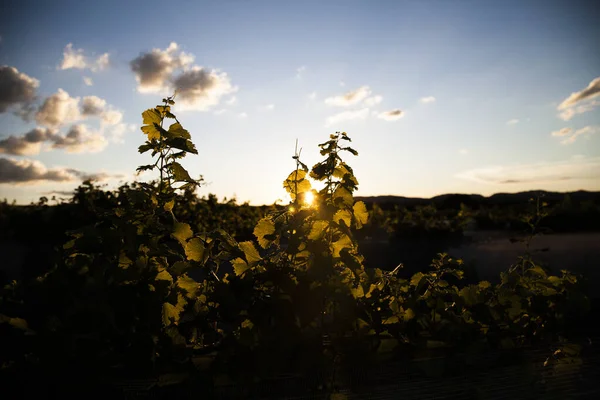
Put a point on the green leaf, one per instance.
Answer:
(151, 131)
(189, 285)
(170, 314)
(181, 144)
(145, 167)
(145, 147)
(342, 243)
(182, 232)
(358, 292)
(151, 116)
(250, 252)
(361, 215)
(344, 196)
(469, 295)
(296, 183)
(416, 279)
(124, 261)
(195, 250)
(317, 230)
(177, 130)
(164, 275)
(343, 215)
(179, 173)
(239, 266)
(169, 205)
(263, 229)
(408, 314)
(391, 320)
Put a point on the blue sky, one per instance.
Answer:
(438, 96)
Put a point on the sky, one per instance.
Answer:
(438, 96)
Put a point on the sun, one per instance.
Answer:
(309, 198)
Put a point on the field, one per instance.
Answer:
(151, 283)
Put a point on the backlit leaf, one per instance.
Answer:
(361, 214)
(179, 173)
(182, 232)
(264, 228)
(164, 275)
(177, 130)
(151, 116)
(250, 252)
(317, 230)
(170, 314)
(189, 285)
(195, 250)
(343, 215)
(151, 131)
(239, 266)
(342, 243)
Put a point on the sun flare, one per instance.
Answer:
(309, 198)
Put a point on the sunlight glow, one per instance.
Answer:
(308, 199)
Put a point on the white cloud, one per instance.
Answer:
(392, 115)
(164, 71)
(269, 107)
(17, 89)
(427, 100)
(569, 113)
(154, 70)
(512, 121)
(312, 96)
(219, 112)
(464, 152)
(80, 139)
(538, 173)
(347, 116)
(60, 109)
(232, 100)
(572, 105)
(592, 90)
(243, 115)
(349, 98)
(23, 172)
(74, 58)
(88, 81)
(199, 89)
(571, 135)
(342, 83)
(118, 131)
(373, 101)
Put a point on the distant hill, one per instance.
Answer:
(453, 200)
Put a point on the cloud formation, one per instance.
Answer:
(347, 116)
(78, 139)
(17, 89)
(74, 58)
(23, 172)
(200, 89)
(60, 109)
(373, 101)
(350, 98)
(572, 105)
(164, 71)
(569, 113)
(538, 173)
(427, 100)
(512, 121)
(392, 115)
(88, 81)
(571, 135)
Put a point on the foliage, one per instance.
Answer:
(294, 297)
